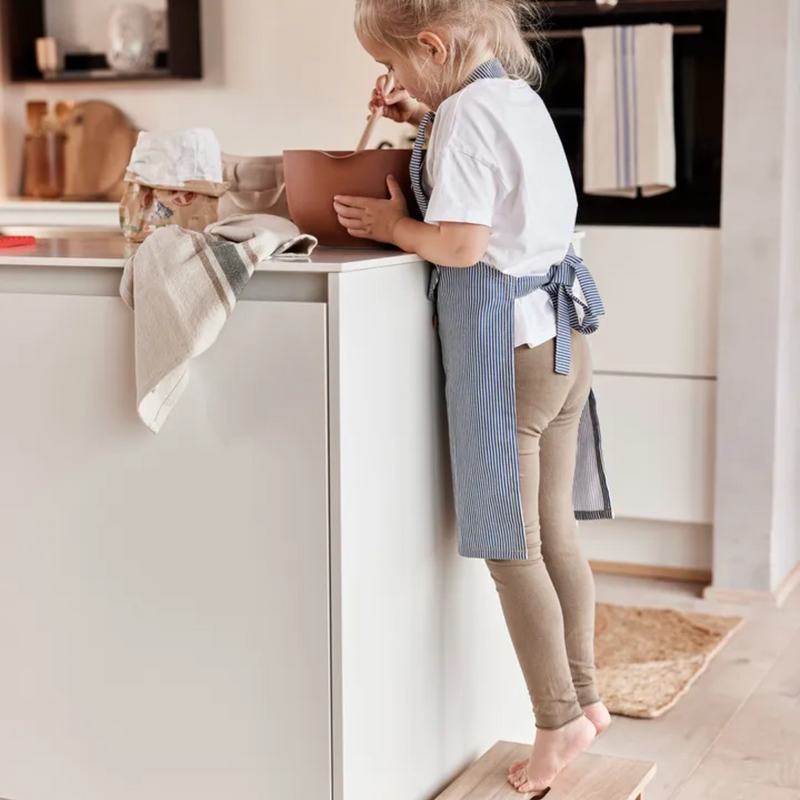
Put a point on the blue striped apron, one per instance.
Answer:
(475, 315)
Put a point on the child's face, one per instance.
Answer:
(406, 75)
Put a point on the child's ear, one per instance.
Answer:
(434, 46)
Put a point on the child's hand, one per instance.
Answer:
(397, 104)
(368, 218)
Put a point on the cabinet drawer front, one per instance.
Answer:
(660, 290)
(658, 438)
(165, 598)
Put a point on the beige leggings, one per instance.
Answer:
(548, 599)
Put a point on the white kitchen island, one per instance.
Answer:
(263, 601)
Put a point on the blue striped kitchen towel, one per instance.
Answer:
(629, 125)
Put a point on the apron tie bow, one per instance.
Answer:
(581, 314)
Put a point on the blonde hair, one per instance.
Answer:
(472, 27)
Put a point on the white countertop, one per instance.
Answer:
(74, 206)
(112, 251)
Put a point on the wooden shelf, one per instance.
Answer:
(24, 22)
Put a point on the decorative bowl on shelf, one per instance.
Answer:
(132, 32)
(315, 177)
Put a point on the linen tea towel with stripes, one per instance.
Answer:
(629, 125)
(182, 286)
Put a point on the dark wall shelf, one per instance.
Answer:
(24, 22)
(586, 8)
(100, 76)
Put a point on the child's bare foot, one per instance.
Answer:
(598, 715)
(552, 752)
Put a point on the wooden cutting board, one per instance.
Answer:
(98, 149)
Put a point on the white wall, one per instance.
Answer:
(786, 542)
(757, 517)
(279, 75)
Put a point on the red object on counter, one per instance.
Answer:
(16, 241)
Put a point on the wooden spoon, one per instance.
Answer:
(63, 111)
(376, 115)
(36, 111)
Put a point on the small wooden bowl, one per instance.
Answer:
(315, 177)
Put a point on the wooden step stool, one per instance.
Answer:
(590, 777)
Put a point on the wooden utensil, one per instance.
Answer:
(63, 110)
(376, 115)
(34, 153)
(99, 144)
(35, 111)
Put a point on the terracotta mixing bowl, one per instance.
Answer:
(314, 178)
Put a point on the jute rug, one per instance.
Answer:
(648, 658)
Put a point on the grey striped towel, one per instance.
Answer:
(182, 286)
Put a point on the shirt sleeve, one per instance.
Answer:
(465, 189)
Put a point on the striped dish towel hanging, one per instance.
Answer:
(629, 128)
(182, 286)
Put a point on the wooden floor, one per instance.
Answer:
(736, 735)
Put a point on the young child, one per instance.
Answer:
(499, 213)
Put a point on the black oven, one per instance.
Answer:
(699, 57)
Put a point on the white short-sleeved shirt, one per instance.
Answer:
(495, 159)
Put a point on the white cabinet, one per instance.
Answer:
(166, 599)
(658, 438)
(660, 289)
(655, 358)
